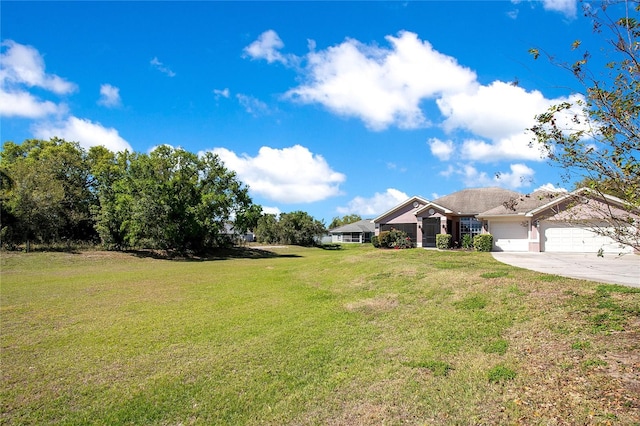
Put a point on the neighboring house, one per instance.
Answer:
(542, 221)
(230, 232)
(357, 232)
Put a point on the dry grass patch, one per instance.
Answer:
(377, 304)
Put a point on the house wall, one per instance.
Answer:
(401, 216)
(534, 236)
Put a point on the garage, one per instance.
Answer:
(561, 237)
(509, 236)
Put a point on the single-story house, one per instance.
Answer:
(541, 221)
(357, 232)
(231, 233)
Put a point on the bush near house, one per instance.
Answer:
(375, 241)
(483, 242)
(394, 239)
(443, 241)
(383, 239)
(467, 242)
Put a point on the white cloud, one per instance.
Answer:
(23, 65)
(271, 210)
(568, 8)
(267, 47)
(385, 86)
(222, 93)
(381, 86)
(161, 67)
(252, 105)
(441, 149)
(288, 175)
(376, 205)
(550, 187)
(86, 133)
(516, 147)
(519, 175)
(501, 113)
(109, 96)
(24, 104)
(496, 111)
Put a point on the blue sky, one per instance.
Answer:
(327, 107)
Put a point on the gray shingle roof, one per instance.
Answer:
(364, 225)
(476, 200)
(523, 203)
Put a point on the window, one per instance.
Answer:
(470, 226)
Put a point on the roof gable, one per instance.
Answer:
(415, 199)
(586, 194)
(432, 205)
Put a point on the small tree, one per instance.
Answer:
(597, 137)
(344, 220)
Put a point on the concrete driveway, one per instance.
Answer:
(610, 269)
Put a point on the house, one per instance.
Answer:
(541, 221)
(453, 214)
(559, 222)
(230, 232)
(357, 232)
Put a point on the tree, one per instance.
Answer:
(50, 197)
(300, 228)
(297, 228)
(267, 230)
(597, 137)
(170, 199)
(345, 220)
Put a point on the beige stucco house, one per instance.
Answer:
(541, 221)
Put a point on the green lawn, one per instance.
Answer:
(302, 336)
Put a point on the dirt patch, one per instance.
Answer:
(376, 304)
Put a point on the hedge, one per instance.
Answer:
(483, 242)
(443, 241)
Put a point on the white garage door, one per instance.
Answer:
(509, 236)
(562, 237)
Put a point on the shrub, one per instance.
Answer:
(443, 241)
(467, 242)
(483, 242)
(399, 239)
(383, 239)
(394, 239)
(375, 241)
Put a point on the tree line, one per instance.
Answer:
(54, 191)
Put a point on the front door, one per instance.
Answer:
(430, 228)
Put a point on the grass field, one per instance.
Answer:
(306, 336)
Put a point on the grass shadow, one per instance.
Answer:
(216, 254)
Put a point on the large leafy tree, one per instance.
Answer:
(50, 195)
(596, 139)
(169, 199)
